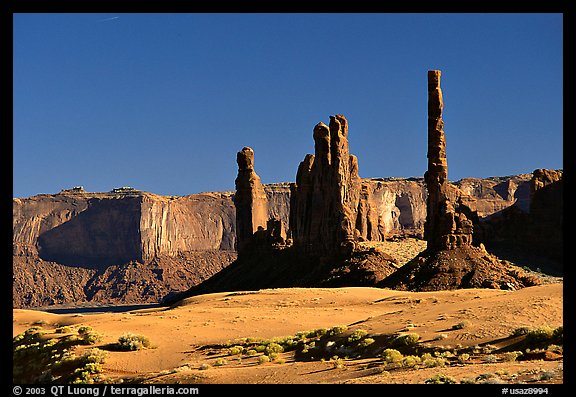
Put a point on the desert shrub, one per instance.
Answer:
(488, 378)
(290, 344)
(274, 348)
(539, 334)
(95, 356)
(463, 357)
(84, 330)
(337, 330)
(511, 356)
(392, 356)
(263, 359)
(487, 349)
(429, 361)
(366, 342)
(272, 356)
(220, 362)
(357, 335)
(546, 375)
(337, 362)
(251, 352)
(411, 361)
(320, 332)
(440, 379)
(520, 331)
(64, 330)
(236, 350)
(440, 337)
(558, 334)
(555, 348)
(132, 342)
(445, 354)
(490, 359)
(36, 359)
(406, 339)
(260, 348)
(88, 336)
(204, 366)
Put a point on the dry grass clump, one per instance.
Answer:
(37, 359)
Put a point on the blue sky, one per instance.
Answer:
(162, 102)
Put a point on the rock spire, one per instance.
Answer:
(250, 201)
(446, 226)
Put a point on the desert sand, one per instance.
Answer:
(189, 338)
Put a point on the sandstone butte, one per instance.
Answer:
(132, 246)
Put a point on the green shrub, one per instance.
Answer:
(539, 334)
(64, 330)
(411, 361)
(220, 362)
(236, 350)
(337, 362)
(274, 348)
(392, 356)
(520, 331)
(263, 359)
(88, 336)
(337, 330)
(430, 362)
(366, 342)
(558, 334)
(94, 356)
(406, 339)
(440, 379)
(132, 342)
(511, 356)
(272, 356)
(555, 348)
(357, 335)
(84, 330)
(490, 359)
(463, 357)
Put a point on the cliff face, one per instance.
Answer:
(62, 241)
(199, 222)
(117, 248)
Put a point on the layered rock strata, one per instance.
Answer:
(531, 232)
(325, 198)
(446, 226)
(250, 201)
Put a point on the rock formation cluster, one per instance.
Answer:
(325, 198)
(306, 233)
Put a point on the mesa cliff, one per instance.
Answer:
(208, 220)
(129, 246)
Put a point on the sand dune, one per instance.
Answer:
(180, 335)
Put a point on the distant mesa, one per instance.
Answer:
(130, 246)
